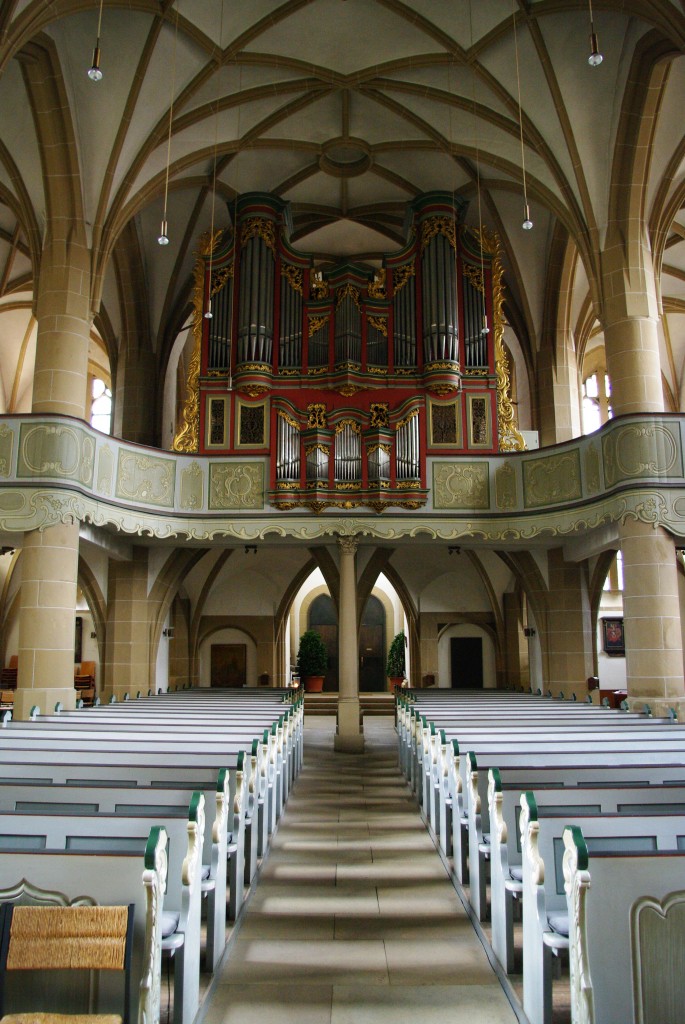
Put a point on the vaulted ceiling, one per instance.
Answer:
(347, 109)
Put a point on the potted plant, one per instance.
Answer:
(396, 664)
(312, 661)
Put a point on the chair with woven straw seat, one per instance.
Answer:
(52, 958)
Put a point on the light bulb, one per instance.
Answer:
(208, 312)
(595, 58)
(94, 72)
(163, 238)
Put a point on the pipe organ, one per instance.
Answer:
(348, 378)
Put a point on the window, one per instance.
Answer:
(100, 406)
(596, 406)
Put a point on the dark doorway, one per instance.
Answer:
(228, 665)
(466, 662)
(372, 648)
(324, 619)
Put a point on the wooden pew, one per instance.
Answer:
(113, 878)
(103, 834)
(545, 916)
(626, 920)
(553, 800)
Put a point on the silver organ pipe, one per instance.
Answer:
(376, 347)
(317, 465)
(475, 342)
(219, 336)
(407, 450)
(440, 333)
(318, 347)
(290, 352)
(256, 304)
(288, 454)
(348, 332)
(404, 309)
(348, 455)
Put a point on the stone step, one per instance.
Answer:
(369, 703)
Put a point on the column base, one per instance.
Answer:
(659, 706)
(349, 736)
(45, 698)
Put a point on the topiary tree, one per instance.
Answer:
(396, 663)
(312, 656)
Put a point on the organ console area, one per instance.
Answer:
(348, 378)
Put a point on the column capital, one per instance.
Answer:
(348, 545)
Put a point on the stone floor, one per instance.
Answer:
(354, 919)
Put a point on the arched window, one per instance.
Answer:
(596, 401)
(100, 406)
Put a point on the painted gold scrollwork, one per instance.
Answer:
(323, 448)
(348, 290)
(401, 275)
(510, 438)
(294, 276)
(316, 323)
(316, 412)
(380, 323)
(438, 226)
(377, 287)
(380, 416)
(261, 228)
(475, 276)
(407, 418)
(339, 427)
(288, 419)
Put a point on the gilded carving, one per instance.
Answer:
(506, 495)
(6, 449)
(461, 485)
(192, 480)
(401, 275)
(318, 288)
(347, 291)
(592, 474)
(510, 439)
(316, 414)
(317, 446)
(288, 419)
(255, 368)
(641, 449)
(371, 448)
(316, 323)
(377, 288)
(317, 371)
(349, 389)
(288, 373)
(551, 479)
(407, 418)
(236, 485)
(433, 226)
(339, 427)
(380, 323)
(145, 478)
(187, 439)
(259, 227)
(380, 417)
(348, 485)
(475, 277)
(294, 276)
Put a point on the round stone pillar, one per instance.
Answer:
(49, 560)
(651, 614)
(349, 736)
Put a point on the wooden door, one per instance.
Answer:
(229, 665)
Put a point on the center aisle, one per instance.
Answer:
(354, 920)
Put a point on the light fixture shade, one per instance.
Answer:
(595, 58)
(485, 329)
(94, 71)
(208, 312)
(163, 237)
(527, 222)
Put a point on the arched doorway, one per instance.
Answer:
(372, 647)
(324, 619)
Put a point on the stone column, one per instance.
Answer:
(569, 627)
(630, 317)
(127, 659)
(50, 558)
(651, 616)
(349, 736)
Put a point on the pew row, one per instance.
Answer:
(107, 879)
(631, 905)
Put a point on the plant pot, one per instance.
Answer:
(313, 684)
(395, 681)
